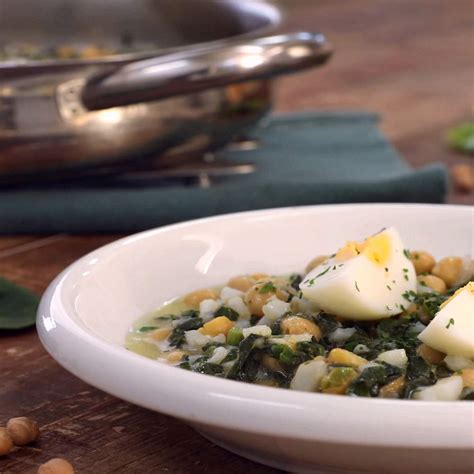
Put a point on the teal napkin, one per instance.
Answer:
(305, 158)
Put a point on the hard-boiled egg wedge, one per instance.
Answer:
(363, 280)
(452, 329)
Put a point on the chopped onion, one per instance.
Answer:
(341, 334)
(195, 339)
(275, 309)
(448, 389)
(260, 330)
(207, 308)
(227, 293)
(396, 357)
(308, 376)
(219, 355)
(237, 304)
(456, 363)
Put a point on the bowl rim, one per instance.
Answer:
(227, 403)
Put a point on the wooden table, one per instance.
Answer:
(409, 60)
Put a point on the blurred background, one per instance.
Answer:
(387, 118)
(410, 61)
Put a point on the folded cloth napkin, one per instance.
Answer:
(305, 158)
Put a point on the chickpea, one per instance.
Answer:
(412, 308)
(194, 299)
(259, 276)
(422, 261)
(241, 283)
(259, 294)
(160, 334)
(297, 325)
(393, 389)
(468, 377)
(433, 282)
(271, 363)
(430, 355)
(463, 177)
(175, 356)
(245, 282)
(56, 466)
(316, 262)
(23, 430)
(6, 442)
(448, 269)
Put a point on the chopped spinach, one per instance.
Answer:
(419, 374)
(147, 328)
(311, 348)
(203, 367)
(326, 323)
(372, 379)
(166, 317)
(467, 394)
(246, 346)
(228, 312)
(177, 336)
(268, 287)
(287, 356)
(295, 280)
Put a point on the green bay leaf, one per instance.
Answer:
(17, 306)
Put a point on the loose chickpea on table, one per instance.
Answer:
(21, 431)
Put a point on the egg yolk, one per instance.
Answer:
(377, 248)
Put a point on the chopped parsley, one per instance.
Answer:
(450, 323)
(147, 328)
(407, 253)
(356, 286)
(267, 288)
(389, 287)
(311, 281)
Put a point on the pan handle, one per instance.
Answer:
(205, 67)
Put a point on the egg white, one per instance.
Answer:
(452, 329)
(363, 287)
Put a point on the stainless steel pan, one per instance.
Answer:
(198, 75)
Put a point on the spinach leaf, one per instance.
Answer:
(254, 320)
(295, 280)
(467, 394)
(228, 312)
(246, 347)
(326, 323)
(231, 355)
(17, 306)
(428, 303)
(147, 328)
(203, 367)
(189, 313)
(177, 336)
(276, 327)
(461, 137)
(311, 348)
(165, 317)
(419, 374)
(372, 379)
(288, 356)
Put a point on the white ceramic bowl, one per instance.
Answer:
(87, 310)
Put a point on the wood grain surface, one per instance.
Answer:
(409, 60)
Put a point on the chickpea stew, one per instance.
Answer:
(285, 331)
